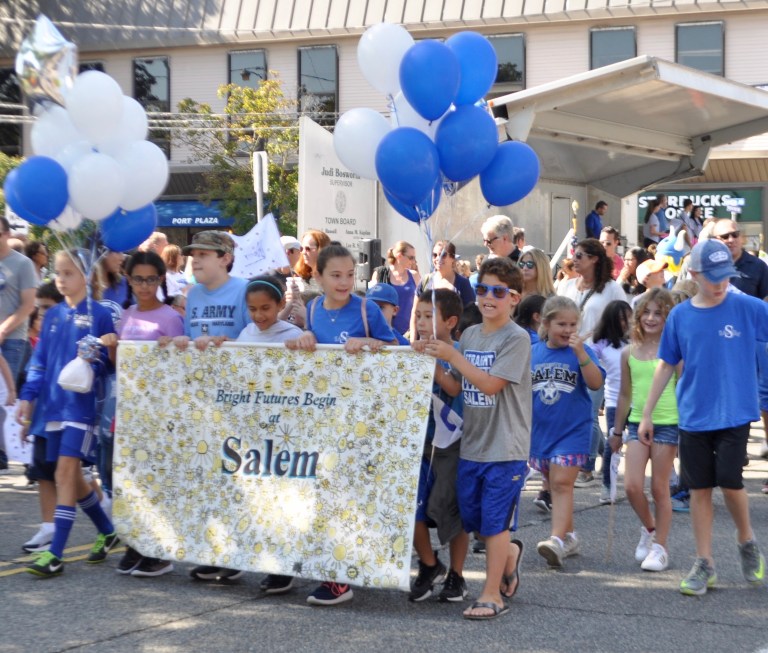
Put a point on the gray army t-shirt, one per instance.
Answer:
(498, 428)
(17, 273)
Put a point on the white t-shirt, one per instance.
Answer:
(593, 308)
(610, 360)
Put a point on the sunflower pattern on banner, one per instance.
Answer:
(263, 459)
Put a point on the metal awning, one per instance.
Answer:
(631, 125)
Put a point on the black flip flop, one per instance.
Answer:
(498, 610)
(508, 579)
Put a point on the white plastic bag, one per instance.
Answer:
(77, 376)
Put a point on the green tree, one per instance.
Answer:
(254, 119)
(7, 163)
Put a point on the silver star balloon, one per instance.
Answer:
(46, 64)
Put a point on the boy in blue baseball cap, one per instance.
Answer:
(385, 297)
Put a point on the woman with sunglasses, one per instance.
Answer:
(311, 243)
(591, 291)
(537, 275)
(445, 276)
(402, 273)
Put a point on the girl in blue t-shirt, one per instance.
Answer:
(563, 368)
(339, 317)
(638, 364)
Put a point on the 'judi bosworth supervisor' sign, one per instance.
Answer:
(263, 459)
(331, 198)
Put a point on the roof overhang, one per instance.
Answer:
(631, 125)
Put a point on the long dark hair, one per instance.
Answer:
(145, 258)
(613, 324)
(652, 208)
(604, 265)
(639, 254)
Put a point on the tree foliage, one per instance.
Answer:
(7, 163)
(254, 119)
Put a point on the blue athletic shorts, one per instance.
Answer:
(426, 481)
(488, 495)
(662, 433)
(72, 441)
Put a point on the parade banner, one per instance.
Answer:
(263, 459)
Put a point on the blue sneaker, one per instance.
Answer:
(330, 594)
(681, 501)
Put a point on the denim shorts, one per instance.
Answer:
(662, 433)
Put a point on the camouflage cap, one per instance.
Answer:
(217, 241)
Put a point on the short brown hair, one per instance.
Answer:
(506, 271)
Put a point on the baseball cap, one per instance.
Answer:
(713, 259)
(383, 292)
(289, 242)
(217, 241)
(647, 268)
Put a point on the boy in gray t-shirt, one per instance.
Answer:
(493, 371)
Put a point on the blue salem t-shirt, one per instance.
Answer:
(718, 386)
(562, 408)
(219, 312)
(336, 326)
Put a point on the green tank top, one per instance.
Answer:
(665, 412)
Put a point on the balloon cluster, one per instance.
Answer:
(92, 159)
(440, 127)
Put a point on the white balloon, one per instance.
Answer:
(379, 53)
(72, 153)
(68, 220)
(52, 132)
(356, 137)
(145, 170)
(96, 186)
(404, 115)
(95, 105)
(133, 126)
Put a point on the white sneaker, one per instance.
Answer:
(644, 545)
(40, 541)
(552, 551)
(657, 559)
(570, 545)
(764, 450)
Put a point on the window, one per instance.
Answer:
(319, 82)
(152, 90)
(510, 52)
(701, 46)
(91, 65)
(611, 45)
(10, 93)
(247, 67)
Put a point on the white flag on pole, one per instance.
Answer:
(260, 250)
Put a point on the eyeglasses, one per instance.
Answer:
(499, 292)
(731, 235)
(145, 281)
(308, 249)
(490, 241)
(526, 264)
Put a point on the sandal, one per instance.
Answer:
(498, 610)
(508, 579)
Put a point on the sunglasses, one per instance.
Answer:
(526, 264)
(308, 249)
(731, 235)
(580, 255)
(487, 242)
(499, 292)
(145, 281)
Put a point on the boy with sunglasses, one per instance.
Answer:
(492, 369)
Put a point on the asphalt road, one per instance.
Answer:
(601, 601)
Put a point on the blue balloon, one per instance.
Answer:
(40, 186)
(430, 76)
(12, 199)
(421, 211)
(466, 141)
(511, 175)
(478, 62)
(408, 164)
(125, 230)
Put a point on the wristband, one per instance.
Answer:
(585, 363)
(617, 435)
